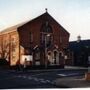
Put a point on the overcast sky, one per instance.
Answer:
(73, 15)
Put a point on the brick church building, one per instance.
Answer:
(41, 41)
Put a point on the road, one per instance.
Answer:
(35, 79)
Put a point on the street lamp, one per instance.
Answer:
(47, 35)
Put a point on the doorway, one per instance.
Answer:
(56, 57)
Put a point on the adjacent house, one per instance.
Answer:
(80, 50)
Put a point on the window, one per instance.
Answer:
(49, 40)
(46, 34)
(31, 37)
(46, 39)
(46, 28)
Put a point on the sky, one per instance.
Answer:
(73, 15)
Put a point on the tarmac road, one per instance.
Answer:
(35, 79)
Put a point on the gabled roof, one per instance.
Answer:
(45, 16)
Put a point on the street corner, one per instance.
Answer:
(72, 83)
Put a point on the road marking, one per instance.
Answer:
(72, 74)
(43, 81)
(36, 79)
(62, 74)
(29, 77)
(48, 81)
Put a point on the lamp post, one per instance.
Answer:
(47, 35)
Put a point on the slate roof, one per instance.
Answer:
(77, 46)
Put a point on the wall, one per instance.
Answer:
(9, 47)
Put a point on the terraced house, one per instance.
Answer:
(41, 41)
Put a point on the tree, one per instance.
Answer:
(4, 49)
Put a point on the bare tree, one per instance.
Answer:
(4, 49)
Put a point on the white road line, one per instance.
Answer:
(36, 79)
(43, 81)
(62, 74)
(68, 74)
(48, 81)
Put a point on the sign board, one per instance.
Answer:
(27, 58)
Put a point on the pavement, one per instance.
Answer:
(75, 67)
(73, 82)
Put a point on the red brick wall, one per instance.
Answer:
(19, 39)
(35, 25)
(60, 35)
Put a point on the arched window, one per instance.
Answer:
(46, 36)
(46, 28)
